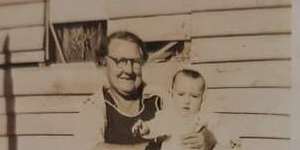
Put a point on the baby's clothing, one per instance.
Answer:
(173, 125)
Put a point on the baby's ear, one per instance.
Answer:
(170, 92)
(203, 101)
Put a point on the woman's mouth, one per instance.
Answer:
(126, 78)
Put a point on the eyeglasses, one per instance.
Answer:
(122, 62)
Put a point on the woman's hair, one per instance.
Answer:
(127, 36)
(190, 73)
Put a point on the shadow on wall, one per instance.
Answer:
(9, 98)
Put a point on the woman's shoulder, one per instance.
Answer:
(93, 106)
(91, 119)
(95, 98)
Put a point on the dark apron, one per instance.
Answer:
(119, 127)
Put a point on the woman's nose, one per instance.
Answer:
(128, 67)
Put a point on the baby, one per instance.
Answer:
(181, 114)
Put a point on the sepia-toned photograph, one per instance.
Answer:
(146, 74)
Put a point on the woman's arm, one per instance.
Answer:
(202, 140)
(106, 146)
(91, 123)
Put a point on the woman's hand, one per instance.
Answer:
(202, 140)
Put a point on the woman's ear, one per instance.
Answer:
(104, 61)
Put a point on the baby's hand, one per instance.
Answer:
(140, 128)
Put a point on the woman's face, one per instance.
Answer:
(123, 68)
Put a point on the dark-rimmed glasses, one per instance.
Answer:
(122, 62)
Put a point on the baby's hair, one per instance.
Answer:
(190, 73)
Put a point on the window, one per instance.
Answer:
(166, 50)
(77, 42)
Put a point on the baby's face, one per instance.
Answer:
(187, 94)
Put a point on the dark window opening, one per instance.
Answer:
(165, 50)
(78, 42)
